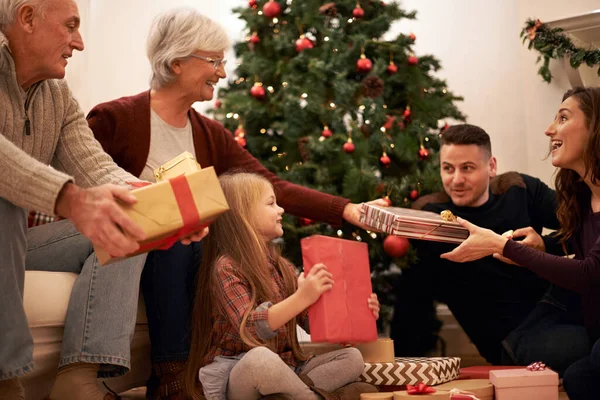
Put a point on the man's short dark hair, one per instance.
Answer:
(465, 134)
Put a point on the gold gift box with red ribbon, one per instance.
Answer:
(173, 209)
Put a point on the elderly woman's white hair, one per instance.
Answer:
(177, 34)
(9, 8)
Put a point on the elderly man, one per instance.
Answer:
(51, 162)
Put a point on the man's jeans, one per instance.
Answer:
(551, 333)
(103, 305)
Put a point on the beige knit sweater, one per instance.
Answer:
(57, 148)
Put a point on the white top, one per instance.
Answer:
(166, 143)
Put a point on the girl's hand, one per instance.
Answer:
(480, 243)
(374, 306)
(317, 282)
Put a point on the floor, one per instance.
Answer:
(139, 393)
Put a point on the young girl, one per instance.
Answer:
(247, 305)
(575, 150)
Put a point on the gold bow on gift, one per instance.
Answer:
(532, 31)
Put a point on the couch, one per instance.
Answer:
(46, 297)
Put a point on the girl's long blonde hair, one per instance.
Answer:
(234, 235)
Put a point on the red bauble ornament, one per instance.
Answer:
(218, 104)
(252, 3)
(358, 12)
(446, 126)
(306, 221)
(380, 188)
(241, 140)
(396, 246)
(326, 132)
(389, 122)
(392, 68)
(412, 37)
(407, 113)
(303, 43)
(414, 194)
(364, 64)
(387, 200)
(423, 153)
(255, 39)
(412, 60)
(239, 131)
(385, 160)
(258, 91)
(349, 146)
(271, 9)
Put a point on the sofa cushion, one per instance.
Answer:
(46, 298)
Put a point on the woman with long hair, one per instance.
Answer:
(575, 151)
(248, 303)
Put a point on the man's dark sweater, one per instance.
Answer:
(489, 298)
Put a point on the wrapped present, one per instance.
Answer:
(182, 164)
(381, 350)
(341, 315)
(522, 384)
(468, 389)
(412, 224)
(411, 371)
(173, 209)
(482, 371)
(377, 396)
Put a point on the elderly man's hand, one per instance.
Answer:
(352, 212)
(97, 215)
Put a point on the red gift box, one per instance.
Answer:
(341, 315)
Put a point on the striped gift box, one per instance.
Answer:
(412, 224)
(410, 371)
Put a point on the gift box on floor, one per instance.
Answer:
(483, 371)
(382, 350)
(522, 384)
(180, 165)
(411, 371)
(412, 224)
(341, 315)
(464, 388)
(173, 209)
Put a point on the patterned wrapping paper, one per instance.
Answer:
(410, 371)
(412, 224)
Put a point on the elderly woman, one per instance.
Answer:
(141, 132)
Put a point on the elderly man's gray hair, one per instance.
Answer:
(176, 34)
(9, 8)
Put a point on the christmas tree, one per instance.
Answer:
(323, 100)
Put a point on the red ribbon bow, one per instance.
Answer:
(420, 388)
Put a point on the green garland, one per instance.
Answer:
(552, 43)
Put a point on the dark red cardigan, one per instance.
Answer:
(122, 126)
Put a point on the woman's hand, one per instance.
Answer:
(480, 243)
(352, 212)
(531, 239)
(374, 306)
(317, 282)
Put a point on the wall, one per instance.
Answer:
(476, 41)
